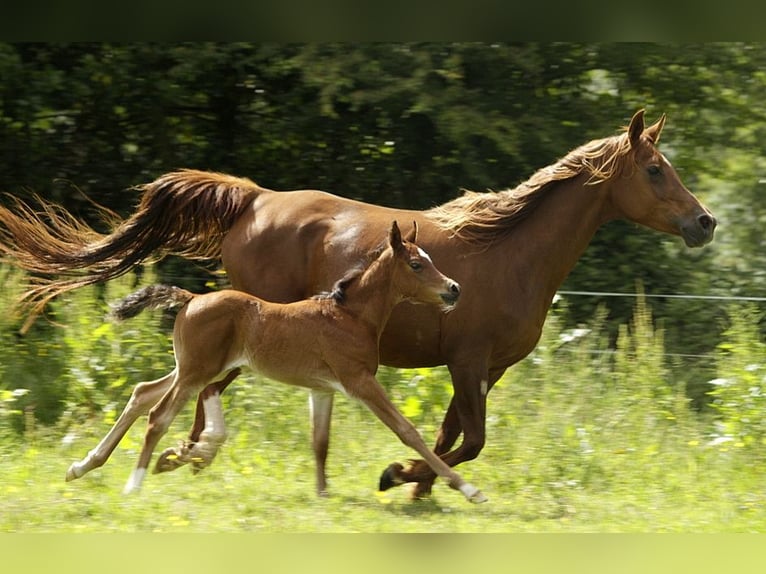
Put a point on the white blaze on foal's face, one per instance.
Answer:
(424, 255)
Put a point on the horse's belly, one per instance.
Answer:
(412, 338)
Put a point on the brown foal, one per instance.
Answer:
(328, 343)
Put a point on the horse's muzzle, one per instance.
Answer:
(700, 231)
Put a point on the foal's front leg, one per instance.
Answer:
(371, 393)
(466, 413)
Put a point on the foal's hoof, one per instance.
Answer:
(71, 473)
(391, 477)
(472, 493)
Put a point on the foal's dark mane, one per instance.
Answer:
(340, 288)
(484, 217)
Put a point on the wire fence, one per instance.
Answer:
(741, 298)
(697, 297)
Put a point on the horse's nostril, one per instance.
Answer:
(455, 288)
(707, 222)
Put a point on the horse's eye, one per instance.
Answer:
(653, 170)
(416, 265)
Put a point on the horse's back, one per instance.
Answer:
(290, 245)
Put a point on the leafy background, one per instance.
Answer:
(411, 124)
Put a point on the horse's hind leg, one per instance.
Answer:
(207, 435)
(144, 396)
(320, 403)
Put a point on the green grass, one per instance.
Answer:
(581, 437)
(263, 482)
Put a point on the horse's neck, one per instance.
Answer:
(372, 297)
(547, 245)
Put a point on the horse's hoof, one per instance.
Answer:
(391, 477)
(421, 491)
(167, 461)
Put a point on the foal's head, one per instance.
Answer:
(415, 276)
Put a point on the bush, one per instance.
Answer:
(73, 365)
(739, 391)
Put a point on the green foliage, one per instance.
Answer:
(74, 365)
(739, 391)
(407, 124)
(582, 435)
(599, 411)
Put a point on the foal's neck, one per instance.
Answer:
(372, 297)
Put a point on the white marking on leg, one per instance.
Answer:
(472, 493)
(483, 387)
(135, 480)
(214, 424)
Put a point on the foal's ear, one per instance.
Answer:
(654, 130)
(412, 235)
(636, 128)
(395, 236)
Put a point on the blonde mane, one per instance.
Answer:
(483, 217)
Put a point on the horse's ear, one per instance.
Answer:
(654, 130)
(412, 235)
(636, 128)
(395, 236)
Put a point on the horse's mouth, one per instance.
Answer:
(700, 232)
(697, 237)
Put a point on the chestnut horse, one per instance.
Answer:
(326, 343)
(510, 250)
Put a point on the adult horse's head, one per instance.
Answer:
(651, 193)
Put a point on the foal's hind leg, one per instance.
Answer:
(144, 396)
(374, 397)
(320, 403)
(160, 417)
(207, 435)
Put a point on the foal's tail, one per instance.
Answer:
(151, 297)
(185, 213)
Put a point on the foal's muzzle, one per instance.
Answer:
(452, 294)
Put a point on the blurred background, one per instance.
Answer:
(412, 124)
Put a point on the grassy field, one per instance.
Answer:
(580, 438)
(537, 478)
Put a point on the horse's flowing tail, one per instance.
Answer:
(151, 297)
(184, 213)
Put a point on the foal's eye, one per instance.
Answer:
(416, 265)
(653, 170)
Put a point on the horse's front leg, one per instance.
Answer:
(466, 413)
(446, 436)
(207, 435)
(369, 391)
